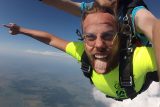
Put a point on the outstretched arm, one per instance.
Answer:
(147, 23)
(66, 5)
(41, 36)
(75, 7)
(156, 42)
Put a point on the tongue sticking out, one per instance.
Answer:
(100, 66)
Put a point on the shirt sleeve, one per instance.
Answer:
(75, 49)
(152, 59)
(144, 59)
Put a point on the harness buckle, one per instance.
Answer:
(86, 68)
(127, 83)
(130, 50)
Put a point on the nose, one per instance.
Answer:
(99, 43)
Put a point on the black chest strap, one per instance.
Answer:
(126, 55)
(86, 66)
(126, 69)
(150, 77)
(126, 76)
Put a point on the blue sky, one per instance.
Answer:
(36, 15)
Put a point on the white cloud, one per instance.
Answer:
(149, 98)
(47, 53)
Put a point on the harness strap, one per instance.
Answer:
(86, 66)
(150, 77)
(126, 73)
(126, 52)
(126, 77)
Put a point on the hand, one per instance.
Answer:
(13, 28)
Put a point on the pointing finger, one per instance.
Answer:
(9, 25)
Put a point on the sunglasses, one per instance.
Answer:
(107, 37)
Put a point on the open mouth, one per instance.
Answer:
(100, 56)
(100, 63)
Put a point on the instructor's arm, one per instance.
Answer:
(156, 42)
(147, 23)
(66, 5)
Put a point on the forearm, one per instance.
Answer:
(66, 5)
(36, 34)
(156, 42)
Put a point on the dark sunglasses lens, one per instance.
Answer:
(108, 36)
(90, 37)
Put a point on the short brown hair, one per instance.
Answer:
(96, 9)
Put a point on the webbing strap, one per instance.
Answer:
(126, 52)
(126, 70)
(126, 77)
(86, 66)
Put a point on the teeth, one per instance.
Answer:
(100, 56)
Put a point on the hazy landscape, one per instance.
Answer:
(43, 81)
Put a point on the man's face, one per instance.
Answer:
(100, 42)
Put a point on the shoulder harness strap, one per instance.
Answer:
(150, 77)
(127, 43)
(126, 52)
(86, 66)
(125, 67)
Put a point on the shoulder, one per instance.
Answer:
(75, 49)
(144, 51)
(144, 58)
(136, 9)
(134, 14)
(141, 11)
(144, 21)
(74, 45)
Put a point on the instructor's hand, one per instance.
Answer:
(13, 28)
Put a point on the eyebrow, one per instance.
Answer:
(108, 32)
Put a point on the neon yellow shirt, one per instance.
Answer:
(143, 62)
